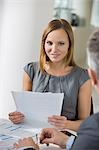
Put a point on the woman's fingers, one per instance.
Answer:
(54, 117)
(16, 117)
(58, 121)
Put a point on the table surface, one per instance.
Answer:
(50, 147)
(6, 128)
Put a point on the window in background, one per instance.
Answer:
(76, 12)
(62, 9)
(95, 14)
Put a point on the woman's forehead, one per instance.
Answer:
(59, 33)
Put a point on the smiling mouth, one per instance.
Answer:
(54, 55)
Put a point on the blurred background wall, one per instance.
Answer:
(21, 24)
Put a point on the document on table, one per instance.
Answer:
(37, 107)
(11, 133)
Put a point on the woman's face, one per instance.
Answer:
(56, 45)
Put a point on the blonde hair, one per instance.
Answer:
(54, 25)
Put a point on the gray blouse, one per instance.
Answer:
(68, 84)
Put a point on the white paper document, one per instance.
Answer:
(11, 133)
(37, 107)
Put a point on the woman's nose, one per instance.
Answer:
(54, 48)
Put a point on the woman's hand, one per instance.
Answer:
(16, 117)
(26, 142)
(59, 122)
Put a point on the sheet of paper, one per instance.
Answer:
(50, 147)
(18, 131)
(10, 133)
(38, 106)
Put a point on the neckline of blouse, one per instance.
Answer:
(62, 76)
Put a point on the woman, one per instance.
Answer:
(57, 72)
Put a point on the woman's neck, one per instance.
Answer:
(58, 69)
(57, 66)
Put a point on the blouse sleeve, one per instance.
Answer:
(30, 69)
(83, 77)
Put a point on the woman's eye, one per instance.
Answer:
(61, 43)
(49, 42)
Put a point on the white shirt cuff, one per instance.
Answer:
(70, 142)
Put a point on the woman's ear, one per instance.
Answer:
(93, 77)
